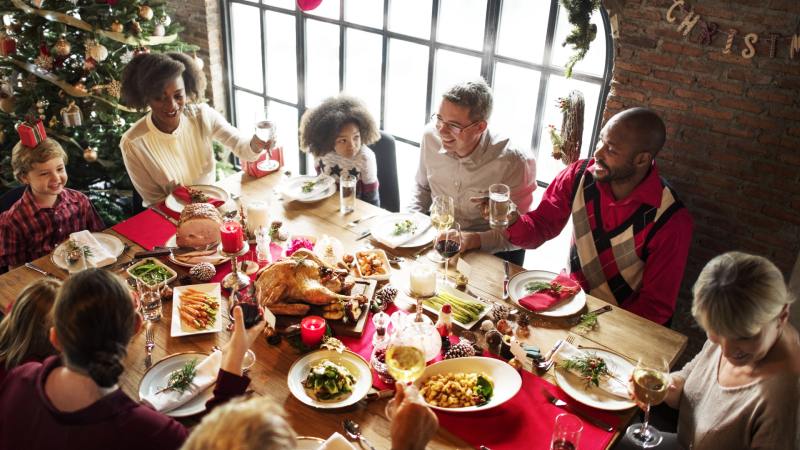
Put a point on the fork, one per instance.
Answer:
(149, 344)
(353, 223)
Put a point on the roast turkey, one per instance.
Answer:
(292, 285)
(198, 227)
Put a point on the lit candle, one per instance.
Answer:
(312, 329)
(257, 216)
(423, 281)
(231, 236)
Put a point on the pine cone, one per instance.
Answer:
(500, 311)
(203, 271)
(387, 294)
(460, 350)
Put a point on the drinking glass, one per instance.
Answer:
(566, 432)
(266, 130)
(442, 211)
(347, 194)
(650, 385)
(448, 244)
(405, 359)
(500, 205)
(150, 299)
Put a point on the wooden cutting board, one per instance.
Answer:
(356, 329)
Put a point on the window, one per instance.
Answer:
(399, 55)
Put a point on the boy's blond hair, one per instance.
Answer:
(23, 158)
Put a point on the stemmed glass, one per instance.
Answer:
(405, 359)
(650, 385)
(448, 244)
(442, 216)
(265, 130)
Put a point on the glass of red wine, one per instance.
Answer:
(566, 432)
(448, 244)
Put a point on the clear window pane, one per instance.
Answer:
(364, 12)
(411, 17)
(461, 22)
(246, 46)
(281, 56)
(594, 62)
(247, 107)
(452, 68)
(406, 89)
(322, 61)
(547, 167)
(285, 118)
(328, 8)
(288, 4)
(407, 164)
(516, 90)
(363, 68)
(523, 29)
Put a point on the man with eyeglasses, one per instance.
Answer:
(461, 157)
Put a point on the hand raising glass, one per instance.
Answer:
(650, 385)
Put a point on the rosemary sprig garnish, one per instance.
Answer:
(590, 366)
(308, 186)
(181, 379)
(587, 323)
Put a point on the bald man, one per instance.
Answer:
(631, 234)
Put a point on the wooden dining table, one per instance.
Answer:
(619, 331)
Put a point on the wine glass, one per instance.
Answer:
(265, 130)
(442, 216)
(650, 385)
(448, 244)
(405, 359)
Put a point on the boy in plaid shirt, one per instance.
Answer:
(47, 212)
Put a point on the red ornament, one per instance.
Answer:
(8, 46)
(308, 5)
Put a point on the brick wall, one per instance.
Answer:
(733, 145)
(203, 27)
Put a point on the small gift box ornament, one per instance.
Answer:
(31, 132)
(71, 115)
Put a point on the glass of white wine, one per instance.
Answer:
(405, 359)
(442, 216)
(650, 386)
(266, 130)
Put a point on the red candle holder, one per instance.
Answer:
(312, 330)
(231, 236)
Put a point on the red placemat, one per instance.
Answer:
(147, 229)
(525, 421)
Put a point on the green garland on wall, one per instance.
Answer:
(583, 31)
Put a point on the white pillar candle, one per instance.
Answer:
(257, 216)
(423, 280)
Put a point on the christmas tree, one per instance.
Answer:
(61, 61)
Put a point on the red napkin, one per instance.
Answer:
(182, 193)
(147, 229)
(542, 300)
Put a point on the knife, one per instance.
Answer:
(505, 280)
(364, 235)
(164, 215)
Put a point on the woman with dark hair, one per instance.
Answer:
(23, 333)
(172, 144)
(74, 398)
(337, 133)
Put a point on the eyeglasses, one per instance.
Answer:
(454, 128)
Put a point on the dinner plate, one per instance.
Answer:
(516, 291)
(383, 226)
(308, 443)
(506, 379)
(155, 378)
(112, 244)
(324, 188)
(178, 328)
(176, 204)
(593, 396)
(357, 365)
(171, 242)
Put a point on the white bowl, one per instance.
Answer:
(387, 269)
(506, 379)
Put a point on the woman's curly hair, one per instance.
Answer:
(144, 78)
(320, 126)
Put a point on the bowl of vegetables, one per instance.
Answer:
(152, 271)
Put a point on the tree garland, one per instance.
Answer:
(583, 31)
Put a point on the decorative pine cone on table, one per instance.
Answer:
(500, 311)
(460, 350)
(203, 271)
(387, 294)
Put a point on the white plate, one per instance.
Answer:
(462, 295)
(112, 244)
(506, 379)
(516, 291)
(177, 205)
(155, 378)
(593, 396)
(384, 226)
(293, 188)
(357, 365)
(171, 242)
(213, 289)
(308, 443)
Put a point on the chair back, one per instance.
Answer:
(386, 158)
(11, 197)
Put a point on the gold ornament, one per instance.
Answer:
(116, 27)
(90, 154)
(62, 47)
(135, 27)
(159, 30)
(114, 88)
(45, 62)
(96, 51)
(53, 122)
(7, 103)
(145, 12)
(80, 86)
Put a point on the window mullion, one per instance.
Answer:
(385, 61)
(545, 78)
(491, 30)
(262, 21)
(341, 45)
(431, 58)
(300, 44)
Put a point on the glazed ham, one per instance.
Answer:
(198, 227)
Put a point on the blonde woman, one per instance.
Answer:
(742, 390)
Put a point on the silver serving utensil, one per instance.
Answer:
(506, 269)
(567, 407)
(149, 344)
(353, 431)
(36, 268)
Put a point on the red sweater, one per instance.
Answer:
(28, 420)
(667, 251)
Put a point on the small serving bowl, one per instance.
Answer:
(381, 255)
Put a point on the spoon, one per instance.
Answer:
(353, 431)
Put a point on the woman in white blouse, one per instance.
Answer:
(171, 144)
